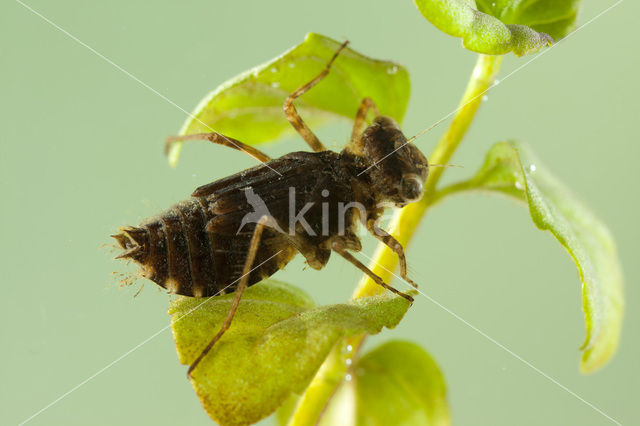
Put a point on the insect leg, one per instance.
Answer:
(394, 245)
(360, 121)
(251, 256)
(221, 140)
(292, 114)
(339, 247)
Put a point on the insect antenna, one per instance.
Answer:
(446, 165)
(433, 126)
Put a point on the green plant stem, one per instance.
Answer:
(403, 226)
(441, 194)
(320, 391)
(406, 221)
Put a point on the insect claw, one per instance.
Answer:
(190, 370)
(405, 296)
(410, 281)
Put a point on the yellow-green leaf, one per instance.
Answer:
(249, 107)
(274, 347)
(554, 17)
(512, 169)
(496, 30)
(397, 383)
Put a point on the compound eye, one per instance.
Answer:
(412, 188)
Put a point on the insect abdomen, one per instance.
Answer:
(174, 250)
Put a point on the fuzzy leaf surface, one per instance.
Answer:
(275, 345)
(502, 26)
(554, 17)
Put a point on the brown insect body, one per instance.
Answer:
(241, 229)
(198, 247)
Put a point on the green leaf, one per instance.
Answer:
(249, 107)
(397, 383)
(512, 169)
(502, 26)
(275, 345)
(554, 17)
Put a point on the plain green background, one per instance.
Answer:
(81, 155)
